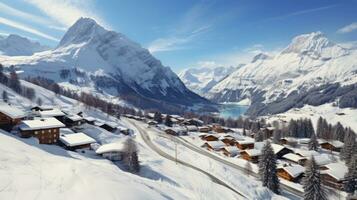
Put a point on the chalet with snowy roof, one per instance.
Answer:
(152, 123)
(73, 120)
(113, 151)
(288, 140)
(10, 116)
(204, 129)
(56, 113)
(109, 126)
(332, 145)
(295, 158)
(228, 140)
(46, 130)
(334, 174)
(251, 155)
(193, 121)
(214, 145)
(230, 151)
(75, 141)
(209, 137)
(192, 128)
(291, 173)
(280, 150)
(219, 129)
(89, 120)
(177, 130)
(245, 144)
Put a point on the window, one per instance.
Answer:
(43, 131)
(49, 130)
(36, 132)
(54, 130)
(54, 140)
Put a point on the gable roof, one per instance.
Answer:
(12, 111)
(294, 170)
(253, 152)
(111, 147)
(335, 143)
(336, 170)
(52, 113)
(293, 157)
(43, 123)
(74, 118)
(76, 139)
(216, 145)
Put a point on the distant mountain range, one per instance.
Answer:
(92, 59)
(299, 74)
(15, 45)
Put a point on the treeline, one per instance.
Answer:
(12, 81)
(88, 99)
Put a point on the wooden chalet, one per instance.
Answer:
(280, 150)
(214, 145)
(204, 129)
(191, 128)
(245, 144)
(56, 113)
(295, 158)
(219, 129)
(76, 141)
(230, 151)
(228, 140)
(334, 174)
(109, 126)
(73, 120)
(193, 121)
(292, 173)
(46, 130)
(251, 155)
(10, 116)
(332, 145)
(209, 137)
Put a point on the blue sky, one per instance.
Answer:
(188, 33)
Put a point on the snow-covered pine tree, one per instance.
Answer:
(244, 131)
(5, 96)
(339, 132)
(350, 184)
(349, 146)
(293, 128)
(131, 156)
(313, 143)
(313, 189)
(276, 136)
(168, 121)
(319, 127)
(267, 168)
(157, 117)
(258, 136)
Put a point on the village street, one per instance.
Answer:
(292, 192)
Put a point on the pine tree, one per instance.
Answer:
(5, 97)
(267, 168)
(276, 136)
(258, 136)
(244, 131)
(313, 189)
(293, 128)
(313, 143)
(157, 117)
(350, 184)
(349, 146)
(168, 121)
(339, 132)
(131, 155)
(319, 127)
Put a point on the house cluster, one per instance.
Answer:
(291, 161)
(52, 125)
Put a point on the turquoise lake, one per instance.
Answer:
(232, 110)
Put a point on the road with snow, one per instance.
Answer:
(296, 193)
(148, 142)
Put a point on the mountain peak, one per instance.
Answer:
(15, 45)
(84, 29)
(314, 44)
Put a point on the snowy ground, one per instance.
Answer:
(346, 116)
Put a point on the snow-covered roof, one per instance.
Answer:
(253, 152)
(175, 116)
(52, 113)
(277, 148)
(294, 170)
(44, 107)
(306, 153)
(111, 147)
(151, 115)
(12, 111)
(336, 170)
(293, 157)
(76, 139)
(322, 159)
(335, 143)
(245, 142)
(74, 117)
(192, 128)
(89, 119)
(43, 123)
(289, 139)
(216, 145)
(66, 131)
(232, 149)
(111, 124)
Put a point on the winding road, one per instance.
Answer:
(148, 142)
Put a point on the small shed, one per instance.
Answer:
(76, 141)
(112, 151)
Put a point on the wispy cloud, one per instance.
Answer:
(24, 15)
(301, 12)
(349, 28)
(26, 28)
(66, 12)
(193, 24)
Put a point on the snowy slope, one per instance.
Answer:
(15, 45)
(309, 61)
(104, 61)
(202, 79)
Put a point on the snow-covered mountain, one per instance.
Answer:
(310, 60)
(15, 45)
(202, 79)
(92, 59)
